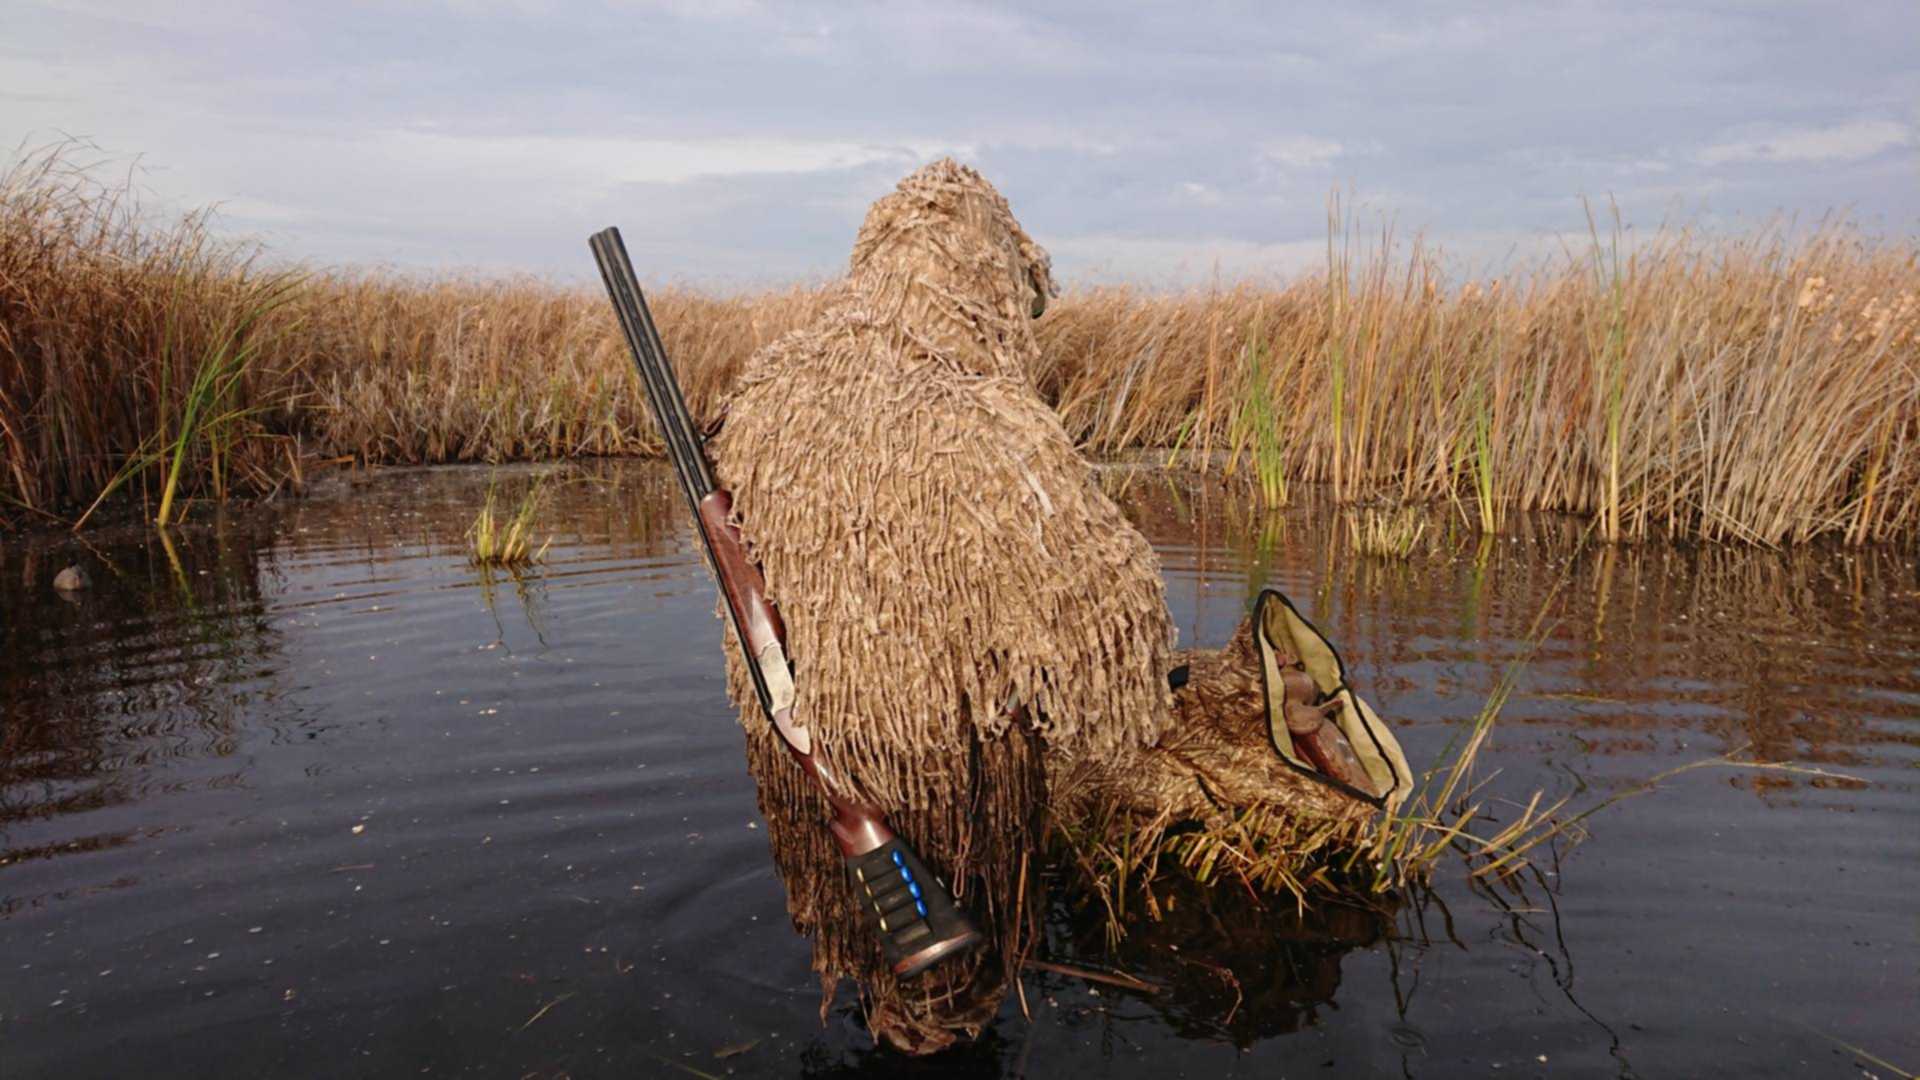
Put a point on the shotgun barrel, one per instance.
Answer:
(917, 919)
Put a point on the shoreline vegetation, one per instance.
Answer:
(1763, 388)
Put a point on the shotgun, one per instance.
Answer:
(917, 920)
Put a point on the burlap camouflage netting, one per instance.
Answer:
(980, 639)
(936, 544)
(940, 553)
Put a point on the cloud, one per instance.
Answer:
(1197, 193)
(1561, 160)
(1855, 140)
(607, 160)
(740, 140)
(1187, 262)
(1181, 261)
(1300, 151)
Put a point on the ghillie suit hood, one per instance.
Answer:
(944, 562)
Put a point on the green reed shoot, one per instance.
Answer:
(1256, 426)
(1482, 466)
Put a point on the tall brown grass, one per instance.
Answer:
(1761, 388)
(128, 350)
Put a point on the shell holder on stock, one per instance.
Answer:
(915, 917)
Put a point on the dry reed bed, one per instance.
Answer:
(1763, 388)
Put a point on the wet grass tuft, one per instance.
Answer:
(503, 535)
(1386, 534)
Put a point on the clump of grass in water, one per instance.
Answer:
(499, 537)
(1384, 534)
(1411, 841)
(1260, 848)
(1275, 852)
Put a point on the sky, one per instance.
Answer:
(738, 143)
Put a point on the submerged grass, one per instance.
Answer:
(1762, 388)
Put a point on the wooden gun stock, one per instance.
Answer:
(859, 829)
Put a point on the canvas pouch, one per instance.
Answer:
(1281, 631)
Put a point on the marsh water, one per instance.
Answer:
(297, 791)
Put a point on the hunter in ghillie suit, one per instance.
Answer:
(972, 623)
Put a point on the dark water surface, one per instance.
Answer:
(307, 795)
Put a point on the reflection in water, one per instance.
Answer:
(1230, 966)
(529, 594)
(307, 793)
(1528, 924)
(1811, 655)
(143, 683)
(105, 688)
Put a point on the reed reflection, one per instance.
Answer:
(1810, 654)
(163, 659)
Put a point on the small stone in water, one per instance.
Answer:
(72, 579)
